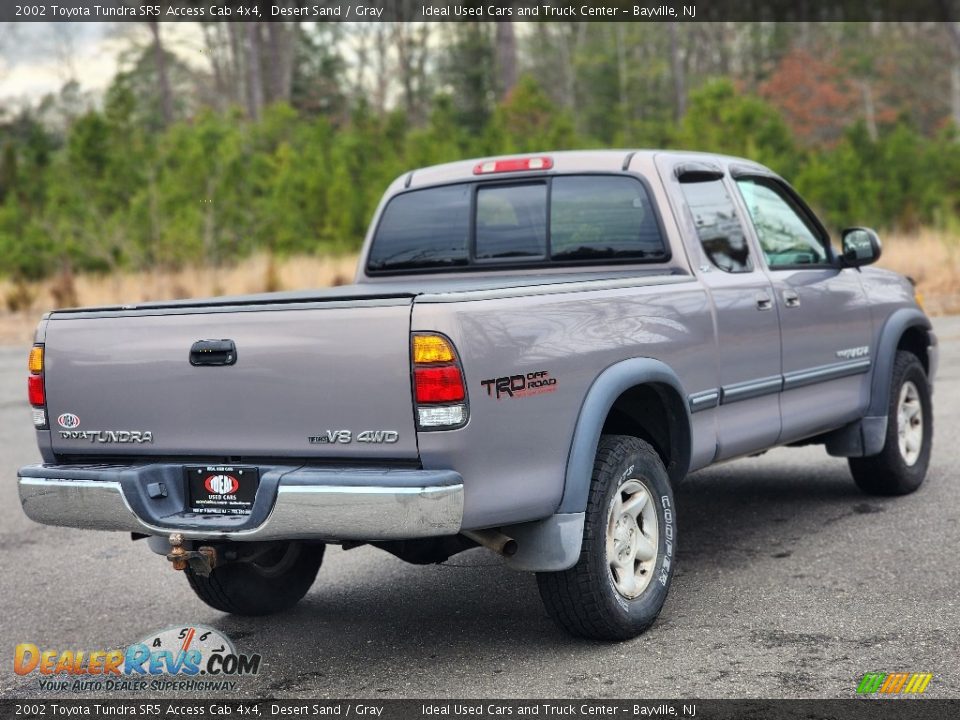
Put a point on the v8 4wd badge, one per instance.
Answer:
(345, 437)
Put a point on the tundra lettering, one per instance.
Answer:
(108, 436)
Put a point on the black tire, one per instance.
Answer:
(585, 600)
(889, 472)
(274, 581)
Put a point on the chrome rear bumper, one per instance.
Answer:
(297, 503)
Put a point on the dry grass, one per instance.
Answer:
(256, 274)
(932, 259)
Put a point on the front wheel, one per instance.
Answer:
(900, 467)
(273, 579)
(621, 580)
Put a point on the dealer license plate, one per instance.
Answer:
(221, 489)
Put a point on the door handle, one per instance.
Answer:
(791, 299)
(213, 352)
(764, 302)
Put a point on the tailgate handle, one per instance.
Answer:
(213, 352)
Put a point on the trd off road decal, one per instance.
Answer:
(515, 386)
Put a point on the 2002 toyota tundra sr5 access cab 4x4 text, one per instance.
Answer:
(535, 352)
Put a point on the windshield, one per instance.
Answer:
(555, 220)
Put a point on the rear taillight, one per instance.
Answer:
(36, 393)
(438, 384)
(439, 391)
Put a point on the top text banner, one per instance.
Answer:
(473, 10)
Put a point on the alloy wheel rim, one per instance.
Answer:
(910, 423)
(632, 538)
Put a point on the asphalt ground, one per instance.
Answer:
(790, 584)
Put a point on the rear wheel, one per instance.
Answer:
(273, 579)
(619, 584)
(900, 467)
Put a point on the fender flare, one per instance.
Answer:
(893, 329)
(601, 396)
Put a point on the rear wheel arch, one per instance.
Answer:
(641, 397)
(653, 412)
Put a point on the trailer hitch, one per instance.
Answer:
(201, 561)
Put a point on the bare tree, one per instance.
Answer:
(506, 58)
(219, 53)
(237, 62)
(381, 71)
(281, 39)
(624, 99)
(359, 35)
(555, 62)
(254, 70)
(65, 50)
(678, 71)
(864, 77)
(953, 29)
(411, 40)
(163, 80)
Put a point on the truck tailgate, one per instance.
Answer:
(311, 380)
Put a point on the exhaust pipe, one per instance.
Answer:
(494, 540)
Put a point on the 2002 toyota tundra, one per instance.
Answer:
(536, 350)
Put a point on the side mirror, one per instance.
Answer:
(861, 246)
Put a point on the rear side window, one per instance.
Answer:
(424, 229)
(554, 220)
(604, 217)
(718, 226)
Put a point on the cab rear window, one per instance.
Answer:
(566, 219)
(424, 229)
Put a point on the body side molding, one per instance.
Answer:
(704, 400)
(751, 389)
(833, 371)
(776, 383)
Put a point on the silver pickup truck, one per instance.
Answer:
(536, 350)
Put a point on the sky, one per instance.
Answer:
(38, 58)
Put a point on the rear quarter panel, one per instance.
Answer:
(513, 452)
